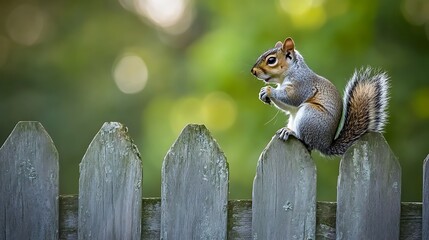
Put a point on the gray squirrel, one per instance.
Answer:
(314, 104)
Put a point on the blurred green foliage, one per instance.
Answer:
(184, 61)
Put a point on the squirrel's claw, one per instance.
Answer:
(263, 95)
(284, 133)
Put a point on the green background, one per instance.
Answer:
(67, 64)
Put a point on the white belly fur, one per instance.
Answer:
(289, 110)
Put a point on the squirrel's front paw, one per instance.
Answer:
(264, 94)
(284, 133)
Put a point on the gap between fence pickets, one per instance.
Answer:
(239, 219)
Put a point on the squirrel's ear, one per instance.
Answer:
(278, 44)
(288, 45)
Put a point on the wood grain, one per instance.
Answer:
(284, 192)
(369, 191)
(194, 189)
(28, 184)
(110, 187)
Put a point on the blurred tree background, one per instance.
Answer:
(156, 65)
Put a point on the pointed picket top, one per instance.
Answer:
(425, 220)
(284, 192)
(29, 184)
(194, 189)
(110, 191)
(369, 191)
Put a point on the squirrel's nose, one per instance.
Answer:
(253, 71)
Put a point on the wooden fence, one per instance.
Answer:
(194, 200)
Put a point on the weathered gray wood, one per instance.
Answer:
(325, 220)
(425, 223)
(68, 217)
(239, 219)
(110, 187)
(194, 188)
(284, 192)
(411, 221)
(151, 218)
(28, 184)
(369, 191)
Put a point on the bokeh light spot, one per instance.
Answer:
(218, 111)
(173, 16)
(186, 110)
(295, 7)
(127, 4)
(163, 12)
(420, 103)
(305, 13)
(25, 24)
(416, 11)
(130, 74)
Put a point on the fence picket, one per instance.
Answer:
(194, 188)
(425, 219)
(29, 184)
(284, 192)
(369, 191)
(110, 193)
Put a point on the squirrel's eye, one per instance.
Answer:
(271, 61)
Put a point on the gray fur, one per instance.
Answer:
(315, 106)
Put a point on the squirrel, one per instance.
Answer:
(313, 103)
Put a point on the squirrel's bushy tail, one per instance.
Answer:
(365, 108)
